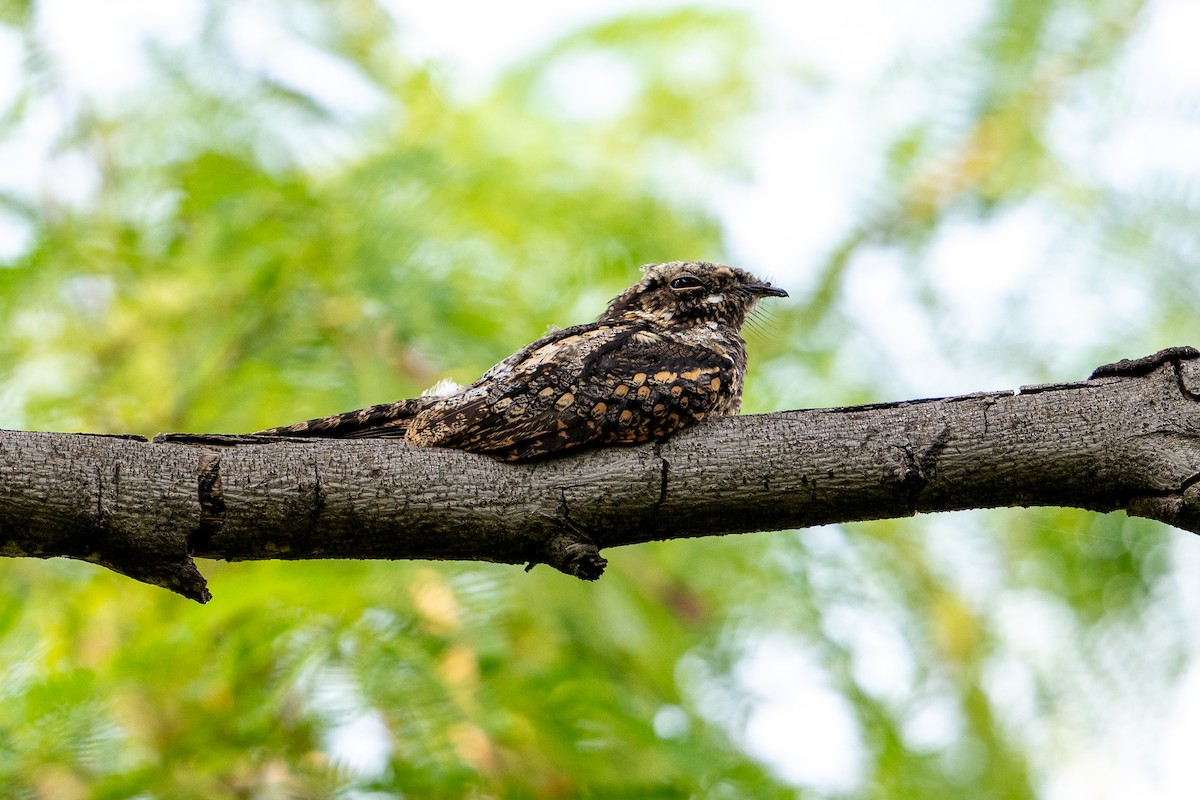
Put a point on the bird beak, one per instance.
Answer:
(764, 289)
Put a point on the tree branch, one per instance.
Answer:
(1129, 438)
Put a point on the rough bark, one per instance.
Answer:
(1129, 438)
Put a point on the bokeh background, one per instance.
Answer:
(219, 217)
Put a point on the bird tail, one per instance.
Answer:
(387, 420)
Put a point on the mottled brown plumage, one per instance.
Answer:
(667, 353)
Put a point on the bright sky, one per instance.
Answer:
(810, 156)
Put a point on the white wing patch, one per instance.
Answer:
(443, 388)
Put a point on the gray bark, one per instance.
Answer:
(1129, 438)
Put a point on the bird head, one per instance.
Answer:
(687, 293)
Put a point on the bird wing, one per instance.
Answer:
(586, 386)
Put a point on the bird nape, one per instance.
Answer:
(665, 354)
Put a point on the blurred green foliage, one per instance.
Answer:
(254, 255)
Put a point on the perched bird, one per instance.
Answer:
(666, 354)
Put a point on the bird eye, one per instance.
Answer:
(686, 282)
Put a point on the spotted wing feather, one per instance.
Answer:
(597, 385)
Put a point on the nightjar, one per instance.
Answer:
(666, 354)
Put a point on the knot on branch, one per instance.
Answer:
(179, 575)
(212, 502)
(918, 466)
(1133, 367)
(573, 553)
(910, 473)
(1180, 509)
